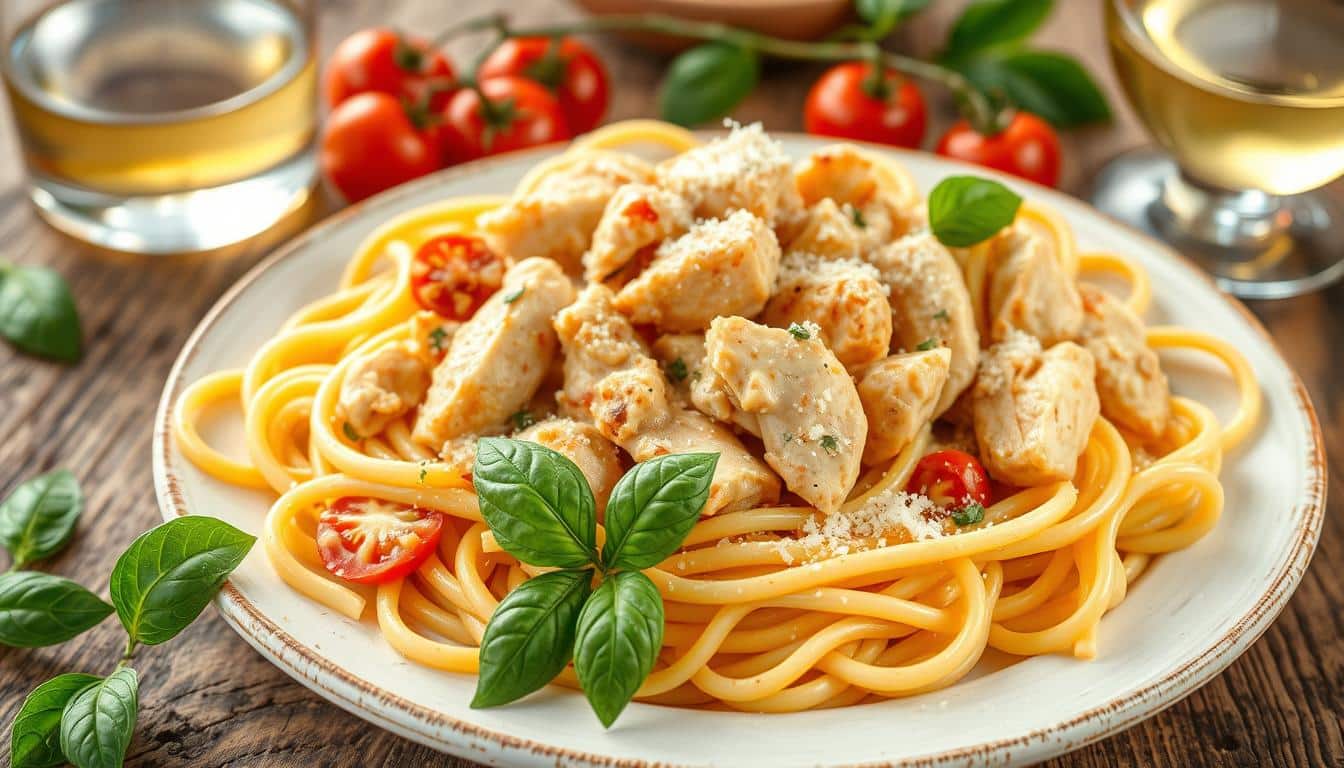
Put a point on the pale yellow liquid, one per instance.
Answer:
(1247, 94)
(165, 104)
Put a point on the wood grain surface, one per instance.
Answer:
(208, 700)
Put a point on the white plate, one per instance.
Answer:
(1187, 618)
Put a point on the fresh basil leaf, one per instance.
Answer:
(654, 506)
(39, 609)
(1052, 85)
(537, 503)
(706, 82)
(163, 581)
(37, 313)
(987, 23)
(37, 520)
(965, 210)
(97, 724)
(882, 16)
(530, 637)
(35, 737)
(620, 632)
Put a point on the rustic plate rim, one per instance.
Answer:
(1121, 712)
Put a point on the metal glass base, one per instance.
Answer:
(183, 222)
(1256, 245)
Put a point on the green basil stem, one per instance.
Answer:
(977, 107)
(129, 652)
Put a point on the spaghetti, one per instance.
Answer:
(757, 618)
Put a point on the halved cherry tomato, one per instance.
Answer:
(1028, 148)
(370, 541)
(517, 113)
(951, 478)
(384, 61)
(849, 103)
(567, 68)
(369, 144)
(453, 275)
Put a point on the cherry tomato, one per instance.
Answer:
(847, 102)
(1028, 148)
(384, 61)
(518, 114)
(569, 69)
(951, 478)
(453, 275)
(370, 541)
(369, 144)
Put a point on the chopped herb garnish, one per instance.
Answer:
(799, 332)
(423, 472)
(437, 339)
(969, 515)
(857, 216)
(830, 444)
(350, 433)
(926, 345)
(512, 297)
(941, 315)
(788, 437)
(523, 419)
(676, 370)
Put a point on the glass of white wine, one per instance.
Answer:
(163, 126)
(1247, 99)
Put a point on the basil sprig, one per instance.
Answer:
(37, 312)
(707, 81)
(37, 520)
(987, 44)
(159, 585)
(541, 510)
(965, 210)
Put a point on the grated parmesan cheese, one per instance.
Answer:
(886, 513)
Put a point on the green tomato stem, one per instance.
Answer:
(976, 107)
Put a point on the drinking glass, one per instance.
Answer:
(163, 126)
(1246, 97)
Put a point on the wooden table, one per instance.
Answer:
(208, 700)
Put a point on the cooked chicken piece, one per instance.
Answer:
(499, 357)
(556, 219)
(459, 453)
(1133, 389)
(637, 219)
(720, 267)
(745, 170)
(930, 307)
(879, 205)
(898, 395)
(610, 377)
(682, 356)
(581, 443)
(431, 335)
(381, 387)
(1034, 409)
(847, 299)
(1029, 290)
(830, 231)
(809, 414)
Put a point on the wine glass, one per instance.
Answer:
(1247, 99)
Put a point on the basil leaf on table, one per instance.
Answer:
(163, 581)
(882, 16)
(1052, 85)
(97, 724)
(987, 23)
(35, 737)
(706, 82)
(965, 210)
(37, 313)
(654, 506)
(530, 636)
(38, 609)
(537, 503)
(38, 518)
(620, 631)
